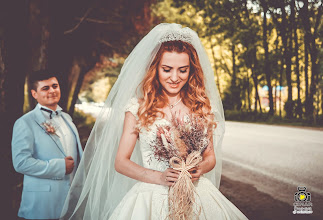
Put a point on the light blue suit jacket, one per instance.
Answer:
(40, 157)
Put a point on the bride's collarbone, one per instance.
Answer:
(178, 112)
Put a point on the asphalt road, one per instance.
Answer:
(264, 164)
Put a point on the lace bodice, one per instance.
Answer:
(146, 137)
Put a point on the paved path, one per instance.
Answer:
(274, 160)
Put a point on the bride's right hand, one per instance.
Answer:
(169, 177)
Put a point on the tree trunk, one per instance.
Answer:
(77, 89)
(306, 74)
(40, 32)
(267, 68)
(254, 75)
(281, 87)
(257, 99)
(218, 80)
(234, 73)
(215, 69)
(248, 88)
(61, 51)
(3, 72)
(281, 66)
(299, 111)
(235, 93)
(259, 102)
(287, 55)
(275, 96)
(255, 82)
(13, 66)
(313, 51)
(315, 71)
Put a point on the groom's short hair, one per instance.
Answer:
(39, 75)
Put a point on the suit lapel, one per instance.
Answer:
(40, 119)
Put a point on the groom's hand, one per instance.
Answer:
(69, 164)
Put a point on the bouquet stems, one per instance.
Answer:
(181, 196)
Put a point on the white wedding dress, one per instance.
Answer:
(150, 201)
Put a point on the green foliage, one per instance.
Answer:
(99, 82)
(245, 116)
(249, 53)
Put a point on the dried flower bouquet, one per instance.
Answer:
(181, 145)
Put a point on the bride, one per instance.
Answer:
(167, 78)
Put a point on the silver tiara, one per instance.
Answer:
(177, 35)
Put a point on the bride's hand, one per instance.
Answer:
(169, 177)
(196, 173)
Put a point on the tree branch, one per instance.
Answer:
(107, 43)
(225, 66)
(96, 21)
(78, 24)
(318, 20)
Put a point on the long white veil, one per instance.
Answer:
(97, 188)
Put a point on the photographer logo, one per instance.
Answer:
(302, 204)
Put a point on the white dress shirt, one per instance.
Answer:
(65, 133)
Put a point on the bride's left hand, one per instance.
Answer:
(196, 173)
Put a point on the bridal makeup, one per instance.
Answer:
(173, 72)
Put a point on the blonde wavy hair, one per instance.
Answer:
(193, 92)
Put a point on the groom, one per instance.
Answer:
(45, 148)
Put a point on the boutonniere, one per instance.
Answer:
(50, 128)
